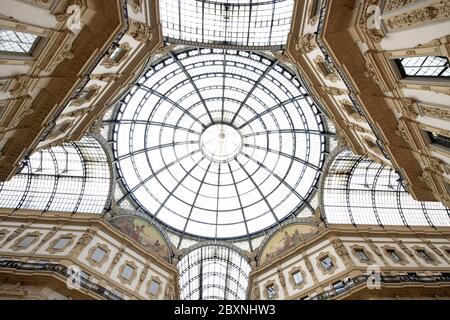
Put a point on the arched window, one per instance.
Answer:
(213, 272)
(73, 177)
(359, 191)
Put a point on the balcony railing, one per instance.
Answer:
(61, 270)
(354, 282)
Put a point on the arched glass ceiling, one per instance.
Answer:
(263, 24)
(218, 144)
(73, 177)
(213, 273)
(361, 192)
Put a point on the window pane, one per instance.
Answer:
(154, 286)
(298, 279)
(127, 272)
(249, 23)
(98, 254)
(62, 243)
(26, 242)
(429, 66)
(14, 41)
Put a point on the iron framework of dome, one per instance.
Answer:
(213, 272)
(249, 24)
(218, 143)
(358, 191)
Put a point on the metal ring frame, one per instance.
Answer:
(184, 94)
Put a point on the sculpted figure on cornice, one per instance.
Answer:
(140, 31)
(306, 43)
(16, 233)
(335, 91)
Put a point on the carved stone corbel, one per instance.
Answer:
(140, 31)
(306, 43)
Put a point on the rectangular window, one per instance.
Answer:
(393, 254)
(326, 262)
(339, 286)
(17, 42)
(298, 279)
(61, 244)
(154, 287)
(27, 241)
(127, 272)
(98, 255)
(117, 54)
(439, 140)
(361, 255)
(271, 292)
(428, 66)
(422, 254)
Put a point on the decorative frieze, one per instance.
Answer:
(435, 111)
(369, 23)
(396, 4)
(419, 16)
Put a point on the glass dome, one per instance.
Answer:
(218, 143)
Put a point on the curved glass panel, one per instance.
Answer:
(361, 192)
(218, 144)
(73, 177)
(243, 23)
(213, 273)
